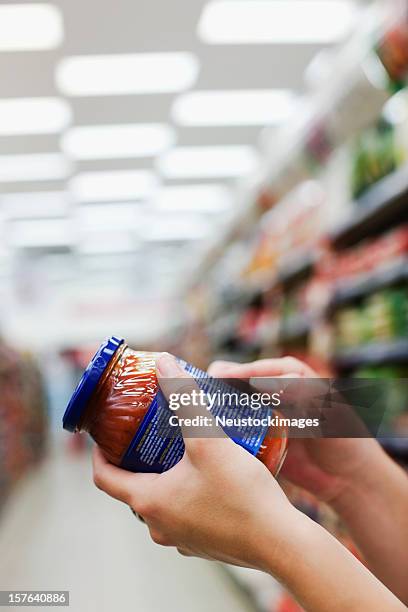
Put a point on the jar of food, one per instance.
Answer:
(119, 403)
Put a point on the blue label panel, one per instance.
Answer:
(158, 446)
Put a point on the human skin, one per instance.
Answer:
(219, 502)
(363, 485)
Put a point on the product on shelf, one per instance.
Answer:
(351, 327)
(22, 417)
(288, 232)
(119, 403)
(381, 317)
(375, 155)
(367, 258)
(264, 258)
(393, 52)
(393, 392)
(296, 302)
(354, 298)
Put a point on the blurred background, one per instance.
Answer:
(222, 179)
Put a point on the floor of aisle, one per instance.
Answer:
(58, 532)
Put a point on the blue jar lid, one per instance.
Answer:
(89, 381)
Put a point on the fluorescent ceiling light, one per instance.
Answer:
(143, 73)
(108, 242)
(208, 162)
(33, 116)
(277, 21)
(30, 27)
(176, 228)
(110, 262)
(40, 233)
(97, 217)
(35, 204)
(113, 185)
(111, 141)
(37, 167)
(194, 198)
(246, 107)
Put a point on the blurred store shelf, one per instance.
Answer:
(297, 267)
(383, 204)
(294, 327)
(356, 288)
(372, 354)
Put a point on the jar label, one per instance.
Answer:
(158, 445)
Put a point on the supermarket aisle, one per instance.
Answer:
(61, 533)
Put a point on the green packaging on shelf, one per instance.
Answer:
(376, 155)
(394, 391)
(398, 301)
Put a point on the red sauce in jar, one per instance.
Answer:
(120, 402)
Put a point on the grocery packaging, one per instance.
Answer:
(119, 403)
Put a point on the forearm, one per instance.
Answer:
(323, 575)
(375, 509)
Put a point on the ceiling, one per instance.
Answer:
(152, 271)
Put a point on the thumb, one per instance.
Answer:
(179, 386)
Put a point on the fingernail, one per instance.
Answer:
(167, 366)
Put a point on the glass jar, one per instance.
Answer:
(119, 403)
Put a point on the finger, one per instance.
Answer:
(125, 486)
(187, 552)
(300, 396)
(178, 385)
(184, 552)
(262, 368)
(270, 384)
(216, 368)
(160, 538)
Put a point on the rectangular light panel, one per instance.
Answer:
(30, 27)
(276, 21)
(179, 228)
(35, 204)
(99, 217)
(245, 107)
(107, 242)
(105, 186)
(20, 116)
(40, 233)
(117, 141)
(194, 198)
(143, 73)
(36, 167)
(208, 162)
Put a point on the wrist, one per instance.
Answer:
(281, 542)
(322, 574)
(363, 483)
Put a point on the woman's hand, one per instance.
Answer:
(324, 467)
(365, 487)
(221, 503)
(218, 502)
